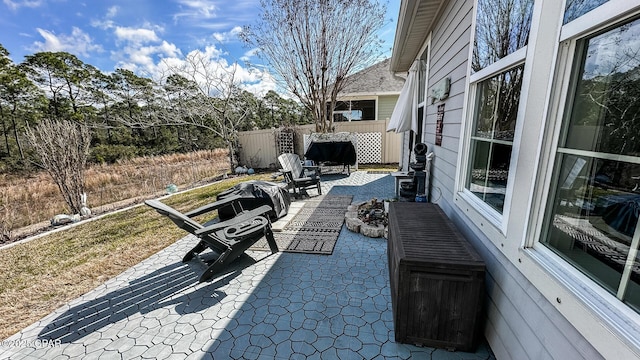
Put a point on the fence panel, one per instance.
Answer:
(258, 148)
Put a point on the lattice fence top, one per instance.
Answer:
(285, 141)
(369, 148)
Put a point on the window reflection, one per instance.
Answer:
(595, 216)
(495, 117)
(576, 8)
(594, 209)
(606, 110)
(498, 99)
(502, 27)
(354, 110)
(490, 172)
(422, 77)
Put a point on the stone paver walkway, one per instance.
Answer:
(280, 306)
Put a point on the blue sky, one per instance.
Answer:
(136, 34)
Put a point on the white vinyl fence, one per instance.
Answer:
(259, 149)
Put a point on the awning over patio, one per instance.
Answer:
(404, 117)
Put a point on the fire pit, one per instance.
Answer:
(368, 218)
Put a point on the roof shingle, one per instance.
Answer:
(373, 80)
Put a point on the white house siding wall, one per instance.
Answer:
(386, 103)
(521, 323)
(449, 56)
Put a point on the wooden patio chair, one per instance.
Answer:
(227, 239)
(297, 176)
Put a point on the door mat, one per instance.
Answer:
(314, 229)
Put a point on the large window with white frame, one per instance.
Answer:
(501, 36)
(592, 210)
(354, 110)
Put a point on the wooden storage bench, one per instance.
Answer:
(437, 279)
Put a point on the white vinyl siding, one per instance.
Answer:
(449, 58)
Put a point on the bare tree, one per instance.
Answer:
(63, 147)
(205, 93)
(313, 45)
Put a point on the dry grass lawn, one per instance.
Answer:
(28, 200)
(41, 275)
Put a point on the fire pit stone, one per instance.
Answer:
(368, 218)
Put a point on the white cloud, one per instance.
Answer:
(78, 42)
(195, 65)
(141, 49)
(144, 50)
(200, 9)
(249, 54)
(229, 35)
(107, 22)
(112, 11)
(136, 35)
(210, 62)
(15, 5)
(103, 24)
(144, 59)
(260, 88)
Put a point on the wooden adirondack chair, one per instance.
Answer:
(297, 176)
(227, 239)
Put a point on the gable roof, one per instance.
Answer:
(374, 80)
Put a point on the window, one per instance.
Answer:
(502, 27)
(593, 208)
(492, 138)
(576, 8)
(354, 110)
(497, 65)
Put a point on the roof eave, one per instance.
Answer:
(367, 94)
(415, 21)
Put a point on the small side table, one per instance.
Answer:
(399, 176)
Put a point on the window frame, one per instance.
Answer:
(592, 21)
(578, 289)
(375, 99)
(423, 87)
(485, 211)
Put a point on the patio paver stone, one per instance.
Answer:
(280, 306)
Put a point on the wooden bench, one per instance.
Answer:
(437, 279)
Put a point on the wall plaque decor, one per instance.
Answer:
(439, 124)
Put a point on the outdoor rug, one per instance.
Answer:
(314, 229)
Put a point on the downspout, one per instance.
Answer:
(395, 75)
(430, 177)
